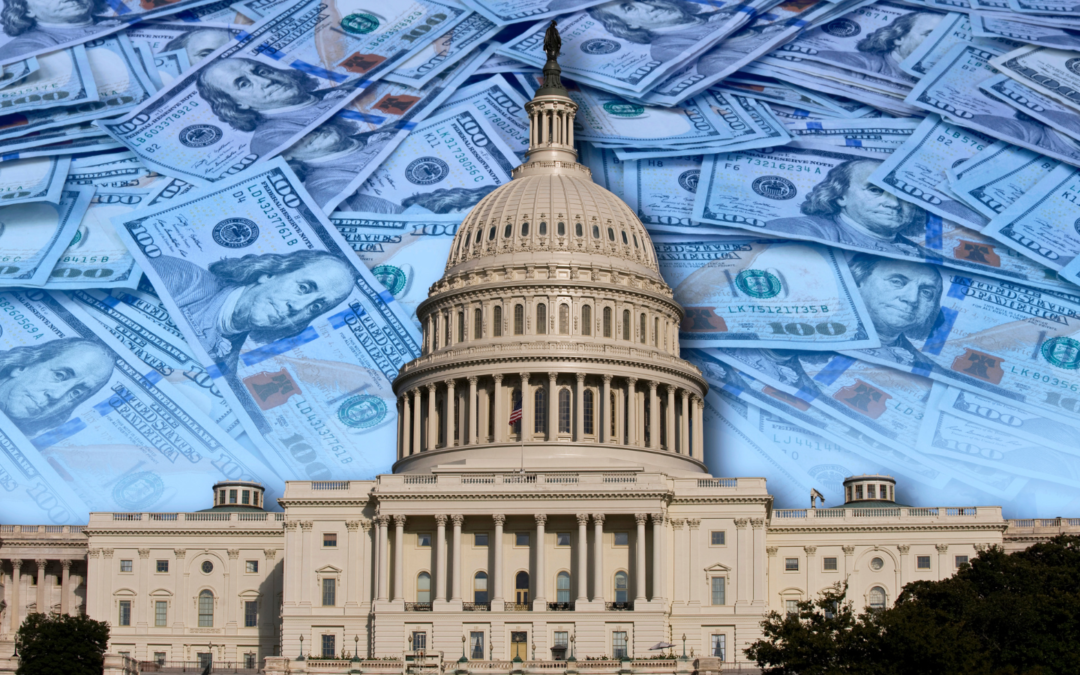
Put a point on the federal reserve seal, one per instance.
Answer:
(1073, 65)
(1063, 352)
(200, 135)
(362, 412)
(359, 24)
(391, 277)
(623, 109)
(1076, 225)
(600, 46)
(235, 233)
(842, 28)
(688, 180)
(774, 187)
(138, 491)
(426, 170)
(758, 284)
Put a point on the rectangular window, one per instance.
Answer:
(476, 645)
(159, 658)
(718, 587)
(249, 660)
(618, 644)
(329, 539)
(922, 562)
(521, 539)
(562, 539)
(252, 566)
(480, 539)
(125, 565)
(961, 560)
(718, 647)
(718, 538)
(871, 492)
(205, 659)
(791, 606)
(830, 564)
(329, 592)
(329, 646)
(251, 613)
(622, 538)
(125, 613)
(221, 498)
(423, 540)
(162, 565)
(791, 564)
(562, 639)
(232, 496)
(858, 492)
(419, 640)
(161, 613)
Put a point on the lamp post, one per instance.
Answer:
(301, 657)
(683, 647)
(463, 658)
(573, 638)
(356, 648)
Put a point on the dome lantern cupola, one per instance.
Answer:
(552, 303)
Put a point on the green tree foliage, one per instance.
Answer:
(1000, 615)
(57, 644)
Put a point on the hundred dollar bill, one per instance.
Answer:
(406, 253)
(954, 29)
(1033, 104)
(13, 72)
(604, 117)
(762, 89)
(446, 165)
(630, 46)
(1041, 223)
(502, 106)
(1066, 8)
(741, 292)
(33, 180)
(303, 340)
(96, 257)
(916, 170)
(503, 12)
(121, 81)
(260, 93)
(449, 48)
(33, 236)
(142, 324)
(997, 176)
(987, 25)
(197, 41)
(30, 490)
(1008, 342)
(121, 437)
(170, 65)
(951, 89)
(1010, 420)
(115, 170)
(64, 78)
(606, 167)
(1048, 71)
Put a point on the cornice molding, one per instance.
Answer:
(185, 532)
(897, 527)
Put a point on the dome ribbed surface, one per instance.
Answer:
(524, 216)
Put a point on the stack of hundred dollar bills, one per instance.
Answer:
(217, 220)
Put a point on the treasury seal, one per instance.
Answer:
(1073, 65)
(200, 135)
(1063, 352)
(138, 491)
(359, 24)
(842, 28)
(599, 46)
(688, 180)
(390, 276)
(758, 284)
(235, 233)
(774, 187)
(362, 412)
(623, 109)
(426, 170)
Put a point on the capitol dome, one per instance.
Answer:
(551, 341)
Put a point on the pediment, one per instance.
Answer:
(717, 567)
(328, 569)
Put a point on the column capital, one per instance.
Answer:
(107, 553)
(598, 518)
(498, 518)
(810, 550)
(291, 524)
(41, 562)
(431, 387)
(903, 548)
(677, 523)
(653, 384)
(607, 378)
(270, 553)
(450, 383)
(90, 553)
(581, 377)
(942, 548)
(981, 548)
(631, 381)
(16, 563)
(582, 519)
(234, 553)
(382, 521)
(771, 551)
(741, 522)
(524, 377)
(144, 553)
(848, 550)
(473, 379)
(65, 563)
(541, 519)
(440, 519)
(657, 518)
(498, 377)
(399, 520)
(365, 524)
(552, 376)
(415, 391)
(352, 525)
(693, 523)
(757, 523)
(670, 388)
(457, 519)
(306, 525)
(641, 518)
(698, 401)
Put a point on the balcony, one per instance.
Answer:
(515, 607)
(417, 606)
(168, 667)
(887, 514)
(560, 606)
(476, 606)
(619, 606)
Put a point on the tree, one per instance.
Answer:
(999, 615)
(57, 644)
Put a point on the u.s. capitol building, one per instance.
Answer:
(589, 528)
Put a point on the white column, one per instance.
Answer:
(942, 561)
(699, 410)
(399, 557)
(849, 551)
(526, 409)
(15, 604)
(179, 556)
(440, 557)
(598, 558)
(654, 417)
(692, 525)
(455, 580)
(499, 424)
(384, 557)
(553, 408)
(497, 553)
(474, 415)
(901, 571)
(811, 552)
(606, 411)
(639, 558)
(364, 574)
(417, 432)
(451, 418)
(306, 568)
(669, 437)
(41, 608)
(582, 575)
(232, 582)
(681, 581)
(631, 411)
(657, 557)
(432, 420)
(760, 566)
(351, 578)
(744, 573)
(65, 586)
(540, 576)
(684, 424)
(406, 426)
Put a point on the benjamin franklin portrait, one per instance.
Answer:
(198, 44)
(37, 25)
(330, 156)
(669, 27)
(881, 52)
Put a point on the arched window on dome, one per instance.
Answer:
(607, 322)
(611, 234)
(588, 410)
(626, 325)
(564, 319)
(509, 230)
(560, 229)
(564, 411)
(496, 322)
(478, 324)
(491, 233)
(519, 319)
(539, 411)
(467, 236)
(541, 319)
(577, 229)
(642, 328)
(877, 598)
(655, 332)
(525, 229)
(595, 231)
(543, 228)
(624, 240)
(586, 320)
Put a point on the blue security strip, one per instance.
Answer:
(798, 22)
(362, 117)
(407, 126)
(933, 232)
(337, 321)
(216, 370)
(54, 436)
(256, 356)
(319, 71)
(118, 7)
(815, 125)
(853, 142)
(800, 113)
(151, 378)
(386, 296)
(834, 369)
(939, 334)
(11, 156)
(242, 36)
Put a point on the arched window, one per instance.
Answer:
(496, 322)
(626, 324)
(508, 230)
(564, 411)
(468, 235)
(446, 327)
(519, 319)
(625, 241)
(521, 588)
(644, 331)
(595, 232)
(612, 407)
(562, 587)
(525, 229)
(206, 609)
(423, 587)
(621, 594)
(655, 331)
(539, 411)
(577, 229)
(434, 332)
(564, 319)
(541, 319)
(543, 228)
(562, 229)
(607, 322)
(461, 326)
(588, 403)
(478, 324)
(586, 320)
(480, 588)
(611, 234)
(877, 598)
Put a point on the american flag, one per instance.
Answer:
(515, 414)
